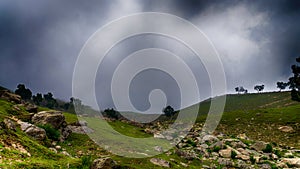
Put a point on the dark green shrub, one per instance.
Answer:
(268, 149)
(86, 162)
(252, 159)
(233, 154)
(216, 149)
(51, 132)
(278, 153)
(191, 142)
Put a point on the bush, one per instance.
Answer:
(233, 154)
(51, 132)
(252, 159)
(86, 162)
(268, 149)
(278, 153)
(216, 149)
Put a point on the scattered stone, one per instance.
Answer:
(286, 129)
(160, 162)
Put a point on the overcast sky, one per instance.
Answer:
(40, 41)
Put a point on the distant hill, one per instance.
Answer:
(251, 101)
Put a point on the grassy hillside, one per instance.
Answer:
(256, 115)
(259, 116)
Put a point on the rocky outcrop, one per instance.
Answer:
(104, 163)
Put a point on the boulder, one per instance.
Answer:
(226, 153)
(80, 129)
(31, 108)
(5, 94)
(292, 161)
(259, 145)
(32, 130)
(9, 124)
(286, 129)
(104, 163)
(209, 139)
(160, 162)
(55, 118)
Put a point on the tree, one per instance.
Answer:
(281, 85)
(241, 89)
(294, 82)
(111, 113)
(169, 111)
(259, 88)
(37, 99)
(25, 94)
(50, 102)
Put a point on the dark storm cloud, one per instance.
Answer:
(40, 40)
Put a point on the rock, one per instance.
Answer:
(57, 147)
(158, 148)
(80, 129)
(65, 132)
(226, 153)
(183, 164)
(259, 145)
(209, 139)
(9, 124)
(65, 153)
(286, 129)
(31, 108)
(265, 166)
(189, 155)
(158, 135)
(225, 162)
(104, 163)
(53, 150)
(5, 94)
(292, 161)
(281, 165)
(243, 157)
(160, 162)
(241, 164)
(55, 118)
(36, 132)
(32, 130)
